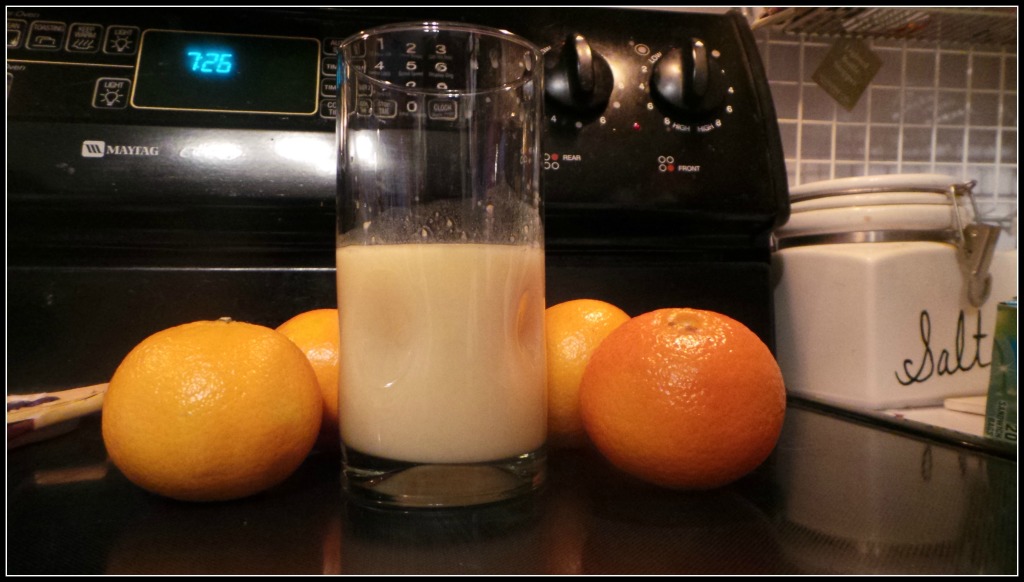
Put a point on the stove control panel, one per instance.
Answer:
(654, 121)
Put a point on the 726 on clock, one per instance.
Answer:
(210, 62)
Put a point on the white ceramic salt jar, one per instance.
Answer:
(886, 292)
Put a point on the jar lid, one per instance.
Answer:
(870, 199)
(892, 217)
(888, 202)
(934, 183)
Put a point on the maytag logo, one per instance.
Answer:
(93, 149)
(99, 149)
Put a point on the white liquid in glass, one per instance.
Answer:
(442, 351)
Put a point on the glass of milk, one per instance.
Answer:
(440, 257)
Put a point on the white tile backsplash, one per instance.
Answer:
(815, 172)
(818, 106)
(848, 170)
(984, 109)
(913, 168)
(919, 106)
(951, 108)
(892, 67)
(787, 99)
(949, 145)
(921, 68)
(917, 144)
(816, 141)
(881, 168)
(884, 144)
(784, 62)
(985, 72)
(1010, 110)
(851, 142)
(859, 113)
(952, 70)
(788, 132)
(1008, 148)
(981, 146)
(885, 105)
(932, 107)
(1008, 180)
(1010, 72)
(814, 54)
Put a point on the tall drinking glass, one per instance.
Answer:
(440, 258)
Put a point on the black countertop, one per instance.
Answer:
(840, 494)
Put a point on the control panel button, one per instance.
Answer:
(111, 93)
(121, 40)
(329, 108)
(442, 109)
(331, 45)
(329, 66)
(387, 108)
(46, 35)
(84, 38)
(364, 107)
(16, 33)
(329, 87)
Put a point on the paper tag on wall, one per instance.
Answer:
(847, 71)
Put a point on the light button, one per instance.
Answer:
(121, 40)
(111, 93)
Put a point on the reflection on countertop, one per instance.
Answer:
(840, 495)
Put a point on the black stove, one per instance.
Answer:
(138, 201)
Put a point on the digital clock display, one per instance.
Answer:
(205, 62)
(227, 72)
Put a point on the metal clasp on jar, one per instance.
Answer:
(976, 244)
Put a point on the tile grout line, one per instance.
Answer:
(903, 107)
(996, 193)
(870, 135)
(935, 111)
(965, 156)
(800, 114)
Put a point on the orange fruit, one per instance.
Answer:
(573, 331)
(211, 410)
(683, 398)
(317, 335)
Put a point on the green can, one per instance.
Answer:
(1001, 410)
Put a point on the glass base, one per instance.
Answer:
(388, 483)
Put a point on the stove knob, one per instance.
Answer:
(576, 78)
(687, 83)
